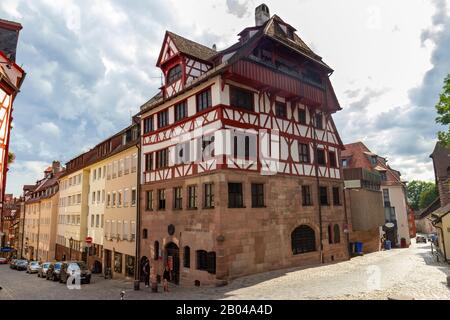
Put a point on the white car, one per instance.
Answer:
(33, 267)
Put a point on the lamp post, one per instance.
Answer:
(70, 249)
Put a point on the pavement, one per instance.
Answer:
(399, 274)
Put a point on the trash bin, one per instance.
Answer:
(358, 247)
(387, 244)
(351, 247)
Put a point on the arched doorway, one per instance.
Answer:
(144, 260)
(173, 261)
(303, 240)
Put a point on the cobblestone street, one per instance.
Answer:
(409, 272)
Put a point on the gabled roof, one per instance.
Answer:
(435, 205)
(273, 30)
(189, 47)
(358, 155)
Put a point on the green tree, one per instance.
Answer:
(415, 189)
(428, 195)
(443, 110)
(11, 157)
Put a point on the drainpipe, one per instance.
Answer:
(316, 165)
(137, 260)
(23, 228)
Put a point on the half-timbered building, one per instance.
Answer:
(240, 158)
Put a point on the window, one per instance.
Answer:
(97, 221)
(302, 116)
(303, 150)
(192, 197)
(373, 160)
(306, 196)
(209, 195)
(235, 198)
(303, 240)
(180, 111)
(174, 74)
(330, 234)
(280, 110)
(321, 157)
(318, 121)
(149, 203)
(241, 98)
(93, 197)
(148, 125)
(92, 221)
(332, 156)
(161, 199)
(337, 234)
(386, 198)
(345, 163)
(257, 195)
(163, 119)
(323, 192)
(133, 197)
(187, 257)
(202, 260)
(113, 199)
(206, 261)
(156, 250)
(162, 158)
(145, 234)
(177, 198)
(108, 200)
(336, 196)
(125, 197)
(383, 175)
(119, 198)
(204, 100)
(149, 162)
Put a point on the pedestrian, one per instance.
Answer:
(166, 279)
(146, 270)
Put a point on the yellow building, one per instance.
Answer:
(121, 208)
(72, 213)
(441, 220)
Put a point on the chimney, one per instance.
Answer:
(56, 166)
(262, 15)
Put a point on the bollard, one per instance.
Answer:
(122, 295)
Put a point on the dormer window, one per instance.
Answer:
(290, 34)
(174, 74)
(373, 160)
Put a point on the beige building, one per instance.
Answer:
(121, 210)
(72, 213)
(41, 216)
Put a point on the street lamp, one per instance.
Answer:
(70, 251)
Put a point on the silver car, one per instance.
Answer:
(33, 267)
(42, 273)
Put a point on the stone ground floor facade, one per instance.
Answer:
(206, 244)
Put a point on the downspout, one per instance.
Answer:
(23, 228)
(137, 263)
(316, 165)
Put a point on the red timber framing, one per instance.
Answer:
(192, 68)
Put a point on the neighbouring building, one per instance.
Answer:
(83, 201)
(241, 159)
(396, 222)
(441, 217)
(121, 205)
(11, 215)
(73, 209)
(423, 218)
(11, 79)
(41, 209)
(365, 201)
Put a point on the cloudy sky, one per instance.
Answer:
(91, 64)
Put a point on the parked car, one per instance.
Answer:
(21, 265)
(12, 264)
(3, 261)
(42, 272)
(76, 269)
(421, 239)
(33, 267)
(53, 271)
